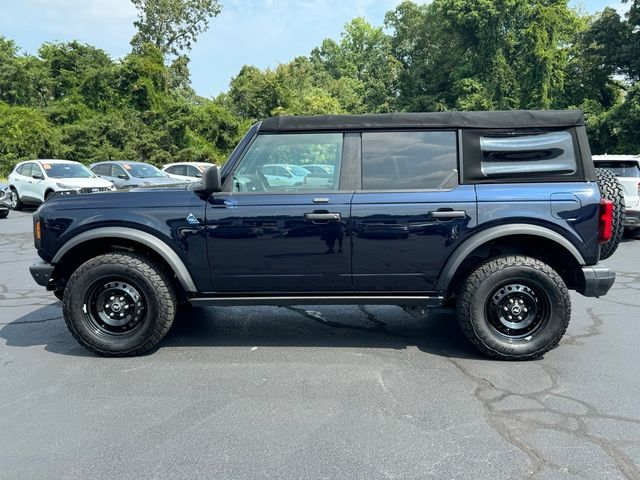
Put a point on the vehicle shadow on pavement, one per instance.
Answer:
(333, 327)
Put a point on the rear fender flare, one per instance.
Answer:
(464, 250)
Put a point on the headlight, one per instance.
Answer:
(64, 186)
(112, 187)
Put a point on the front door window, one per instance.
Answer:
(277, 163)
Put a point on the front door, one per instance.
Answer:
(266, 236)
(411, 213)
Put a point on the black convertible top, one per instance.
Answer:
(501, 119)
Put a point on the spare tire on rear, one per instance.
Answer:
(611, 189)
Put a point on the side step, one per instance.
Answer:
(421, 300)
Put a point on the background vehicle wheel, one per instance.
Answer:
(514, 308)
(611, 189)
(16, 204)
(119, 304)
(4, 214)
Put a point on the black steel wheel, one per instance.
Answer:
(114, 307)
(517, 311)
(119, 304)
(514, 308)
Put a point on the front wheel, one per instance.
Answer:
(514, 308)
(119, 304)
(16, 203)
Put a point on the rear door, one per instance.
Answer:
(410, 213)
(264, 236)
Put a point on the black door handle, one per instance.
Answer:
(322, 216)
(447, 214)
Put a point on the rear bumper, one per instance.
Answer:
(632, 218)
(41, 272)
(598, 280)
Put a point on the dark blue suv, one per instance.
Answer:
(496, 213)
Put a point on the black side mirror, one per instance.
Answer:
(211, 182)
(37, 176)
(123, 176)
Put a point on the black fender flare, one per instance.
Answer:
(151, 241)
(464, 250)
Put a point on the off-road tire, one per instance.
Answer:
(611, 189)
(480, 288)
(154, 286)
(19, 205)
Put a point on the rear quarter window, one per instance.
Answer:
(505, 156)
(409, 160)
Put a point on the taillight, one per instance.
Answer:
(639, 189)
(605, 225)
(37, 231)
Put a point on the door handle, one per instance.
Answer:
(322, 216)
(447, 214)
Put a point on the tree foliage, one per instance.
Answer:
(172, 25)
(73, 100)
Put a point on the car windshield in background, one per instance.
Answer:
(67, 170)
(142, 170)
(621, 169)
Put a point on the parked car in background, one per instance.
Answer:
(186, 171)
(627, 169)
(126, 175)
(5, 200)
(284, 175)
(33, 181)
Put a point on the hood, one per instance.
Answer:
(83, 182)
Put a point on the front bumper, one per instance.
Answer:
(41, 271)
(598, 279)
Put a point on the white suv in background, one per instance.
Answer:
(186, 171)
(31, 182)
(627, 169)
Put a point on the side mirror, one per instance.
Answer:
(37, 176)
(123, 176)
(211, 182)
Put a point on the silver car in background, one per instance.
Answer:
(125, 175)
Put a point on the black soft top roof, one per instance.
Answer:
(501, 119)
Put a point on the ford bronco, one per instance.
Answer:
(499, 214)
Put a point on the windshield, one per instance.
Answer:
(142, 170)
(67, 170)
(621, 169)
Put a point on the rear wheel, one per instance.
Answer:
(514, 308)
(16, 204)
(119, 304)
(611, 189)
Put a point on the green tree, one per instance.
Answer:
(25, 133)
(363, 54)
(172, 25)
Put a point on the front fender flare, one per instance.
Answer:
(151, 241)
(464, 250)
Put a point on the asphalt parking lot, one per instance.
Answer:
(315, 392)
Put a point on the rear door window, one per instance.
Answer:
(409, 160)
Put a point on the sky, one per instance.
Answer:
(263, 33)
